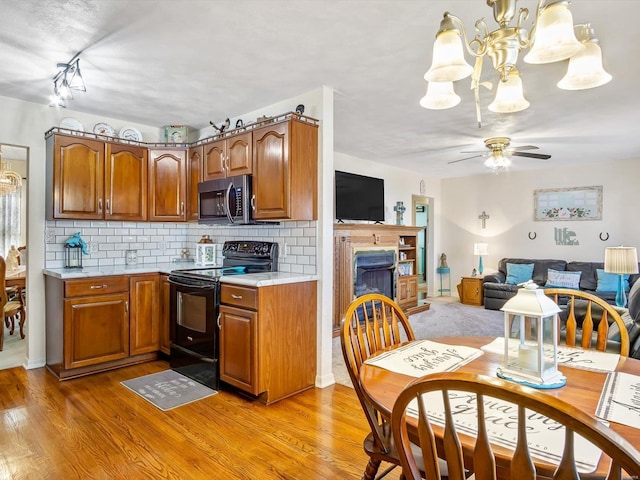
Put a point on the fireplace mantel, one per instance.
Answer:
(351, 237)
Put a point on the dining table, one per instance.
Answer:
(17, 277)
(583, 390)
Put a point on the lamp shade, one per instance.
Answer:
(496, 162)
(585, 69)
(481, 248)
(440, 95)
(554, 38)
(621, 260)
(509, 96)
(448, 63)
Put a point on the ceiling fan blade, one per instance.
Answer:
(474, 151)
(531, 155)
(463, 159)
(525, 147)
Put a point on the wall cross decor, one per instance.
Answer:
(484, 217)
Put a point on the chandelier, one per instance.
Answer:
(552, 38)
(65, 81)
(10, 181)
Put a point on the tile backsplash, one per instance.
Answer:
(164, 242)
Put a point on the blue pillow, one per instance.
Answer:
(608, 282)
(563, 279)
(519, 273)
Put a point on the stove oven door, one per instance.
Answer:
(194, 334)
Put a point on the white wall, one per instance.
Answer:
(508, 199)
(399, 186)
(24, 124)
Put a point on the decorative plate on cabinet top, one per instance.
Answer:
(130, 133)
(104, 129)
(71, 124)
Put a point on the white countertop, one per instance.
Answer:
(250, 279)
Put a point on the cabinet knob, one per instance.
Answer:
(108, 202)
(237, 297)
(218, 321)
(253, 202)
(100, 205)
(97, 286)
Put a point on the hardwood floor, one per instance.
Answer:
(95, 428)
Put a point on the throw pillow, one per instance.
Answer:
(519, 273)
(608, 282)
(558, 279)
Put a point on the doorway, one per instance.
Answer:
(13, 232)
(421, 216)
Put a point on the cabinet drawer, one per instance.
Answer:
(95, 286)
(243, 297)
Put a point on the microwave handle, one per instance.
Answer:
(227, 196)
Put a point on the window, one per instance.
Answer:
(10, 224)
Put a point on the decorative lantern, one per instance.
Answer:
(72, 256)
(531, 308)
(207, 253)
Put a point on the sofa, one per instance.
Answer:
(497, 291)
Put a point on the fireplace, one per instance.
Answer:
(374, 272)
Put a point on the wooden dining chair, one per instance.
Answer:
(11, 305)
(371, 323)
(519, 463)
(596, 314)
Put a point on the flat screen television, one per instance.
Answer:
(359, 197)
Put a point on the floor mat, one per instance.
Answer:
(168, 389)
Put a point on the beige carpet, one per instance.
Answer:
(445, 318)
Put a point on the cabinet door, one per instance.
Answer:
(167, 185)
(144, 318)
(402, 293)
(165, 314)
(238, 355)
(215, 155)
(78, 178)
(239, 155)
(471, 291)
(96, 329)
(271, 184)
(125, 183)
(194, 176)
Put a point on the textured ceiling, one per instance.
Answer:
(158, 62)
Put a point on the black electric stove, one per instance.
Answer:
(195, 301)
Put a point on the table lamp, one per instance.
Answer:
(480, 249)
(621, 261)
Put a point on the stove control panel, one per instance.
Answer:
(250, 248)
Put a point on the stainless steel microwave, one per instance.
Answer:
(225, 201)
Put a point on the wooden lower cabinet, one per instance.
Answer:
(144, 315)
(95, 324)
(470, 291)
(165, 315)
(268, 338)
(407, 291)
(96, 329)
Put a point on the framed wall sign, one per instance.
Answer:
(176, 134)
(565, 204)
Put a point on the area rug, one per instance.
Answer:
(168, 389)
(441, 320)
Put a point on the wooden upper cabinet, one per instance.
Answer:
(285, 171)
(194, 176)
(167, 185)
(228, 157)
(78, 178)
(125, 183)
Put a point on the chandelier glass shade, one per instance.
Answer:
(552, 38)
(440, 95)
(497, 161)
(585, 68)
(509, 97)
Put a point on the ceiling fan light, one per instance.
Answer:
(554, 38)
(439, 96)
(509, 97)
(585, 69)
(448, 63)
(497, 162)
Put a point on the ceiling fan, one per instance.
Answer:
(499, 153)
